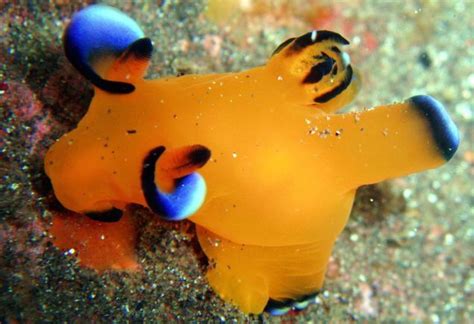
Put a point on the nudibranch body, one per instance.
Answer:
(278, 168)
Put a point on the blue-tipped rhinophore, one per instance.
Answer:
(185, 200)
(96, 32)
(444, 130)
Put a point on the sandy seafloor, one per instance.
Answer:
(407, 253)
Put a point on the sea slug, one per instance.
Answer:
(278, 167)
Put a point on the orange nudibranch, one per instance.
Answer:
(278, 167)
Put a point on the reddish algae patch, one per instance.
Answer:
(98, 245)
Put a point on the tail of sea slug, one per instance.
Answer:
(108, 48)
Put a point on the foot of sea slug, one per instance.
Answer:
(278, 308)
(109, 216)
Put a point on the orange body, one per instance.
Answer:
(283, 171)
